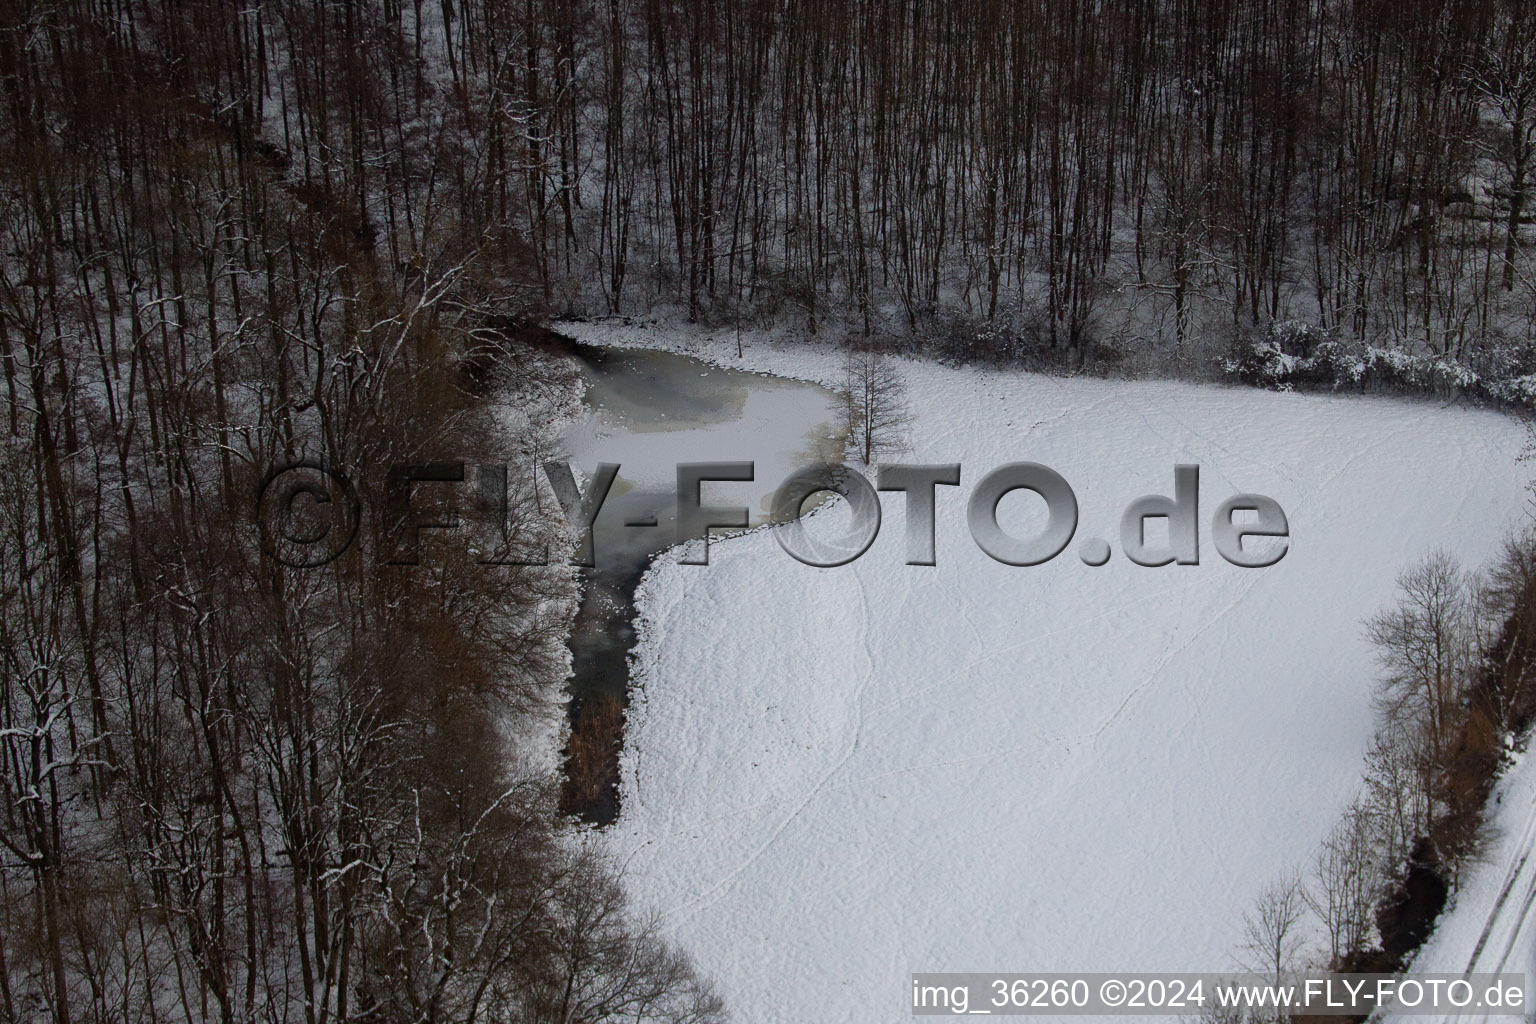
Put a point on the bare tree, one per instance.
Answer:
(1504, 72)
(1507, 598)
(876, 411)
(1345, 878)
(1272, 932)
(1394, 783)
(1426, 648)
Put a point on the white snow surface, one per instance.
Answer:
(836, 777)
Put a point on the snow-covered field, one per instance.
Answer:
(836, 777)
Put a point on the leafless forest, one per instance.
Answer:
(1007, 179)
(239, 235)
(1340, 183)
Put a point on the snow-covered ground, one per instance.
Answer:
(836, 777)
(1490, 926)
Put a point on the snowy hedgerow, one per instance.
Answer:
(1291, 353)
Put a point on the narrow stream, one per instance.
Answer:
(648, 411)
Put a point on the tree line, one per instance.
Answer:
(1454, 700)
(236, 237)
(1143, 179)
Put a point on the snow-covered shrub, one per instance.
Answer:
(1260, 358)
(1289, 353)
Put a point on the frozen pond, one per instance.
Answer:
(648, 411)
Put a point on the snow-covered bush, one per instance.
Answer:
(1290, 353)
(1271, 358)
